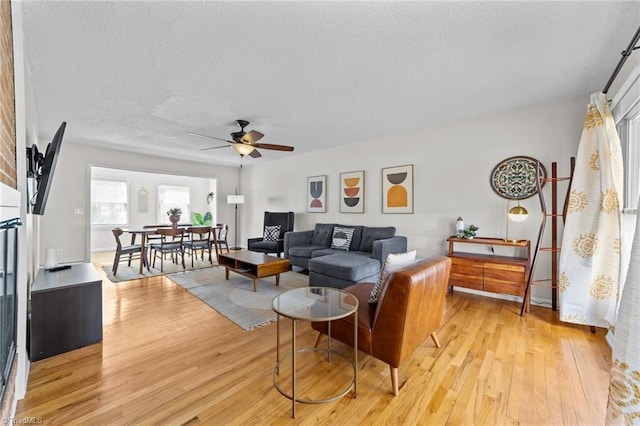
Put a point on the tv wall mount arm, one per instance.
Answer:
(35, 162)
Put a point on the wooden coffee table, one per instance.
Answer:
(253, 265)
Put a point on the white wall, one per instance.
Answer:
(102, 237)
(452, 165)
(69, 232)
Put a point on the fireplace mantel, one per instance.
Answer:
(9, 202)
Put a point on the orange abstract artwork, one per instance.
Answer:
(397, 197)
(352, 185)
(397, 187)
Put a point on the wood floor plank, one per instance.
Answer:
(167, 358)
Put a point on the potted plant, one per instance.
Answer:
(199, 220)
(468, 232)
(174, 215)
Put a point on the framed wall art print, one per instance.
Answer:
(352, 192)
(515, 177)
(317, 194)
(397, 189)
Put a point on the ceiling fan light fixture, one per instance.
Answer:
(242, 149)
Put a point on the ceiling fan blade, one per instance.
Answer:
(274, 147)
(215, 147)
(208, 137)
(255, 154)
(252, 137)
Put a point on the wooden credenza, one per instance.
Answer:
(66, 311)
(488, 272)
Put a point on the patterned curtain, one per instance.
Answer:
(589, 281)
(624, 387)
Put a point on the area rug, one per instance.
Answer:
(235, 298)
(128, 273)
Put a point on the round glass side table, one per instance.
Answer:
(314, 304)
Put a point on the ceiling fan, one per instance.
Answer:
(245, 143)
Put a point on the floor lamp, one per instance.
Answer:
(235, 199)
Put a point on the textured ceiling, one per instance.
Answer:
(139, 76)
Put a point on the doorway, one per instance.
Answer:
(125, 198)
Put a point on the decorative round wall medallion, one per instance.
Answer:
(515, 177)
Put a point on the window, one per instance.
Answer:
(629, 130)
(170, 196)
(626, 111)
(109, 202)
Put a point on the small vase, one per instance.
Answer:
(174, 219)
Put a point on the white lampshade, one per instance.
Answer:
(235, 199)
(242, 148)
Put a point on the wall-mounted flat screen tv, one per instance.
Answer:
(41, 168)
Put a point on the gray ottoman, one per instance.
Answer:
(342, 270)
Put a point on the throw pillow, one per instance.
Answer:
(393, 262)
(271, 233)
(369, 235)
(342, 238)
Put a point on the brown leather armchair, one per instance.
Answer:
(409, 310)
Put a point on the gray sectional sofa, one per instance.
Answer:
(330, 267)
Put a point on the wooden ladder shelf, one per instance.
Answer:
(554, 249)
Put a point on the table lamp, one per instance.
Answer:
(516, 214)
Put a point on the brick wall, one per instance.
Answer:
(7, 99)
(7, 145)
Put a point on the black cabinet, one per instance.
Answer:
(66, 310)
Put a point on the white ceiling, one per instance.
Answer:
(138, 76)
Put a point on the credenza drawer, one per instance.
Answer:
(489, 273)
(505, 278)
(466, 273)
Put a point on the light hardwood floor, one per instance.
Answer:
(168, 358)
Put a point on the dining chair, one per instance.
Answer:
(155, 238)
(171, 240)
(152, 238)
(221, 237)
(133, 251)
(199, 239)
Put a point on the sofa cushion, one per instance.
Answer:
(357, 237)
(369, 235)
(330, 251)
(321, 280)
(322, 234)
(345, 266)
(271, 233)
(342, 238)
(304, 251)
(392, 263)
(325, 252)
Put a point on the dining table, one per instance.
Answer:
(145, 231)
